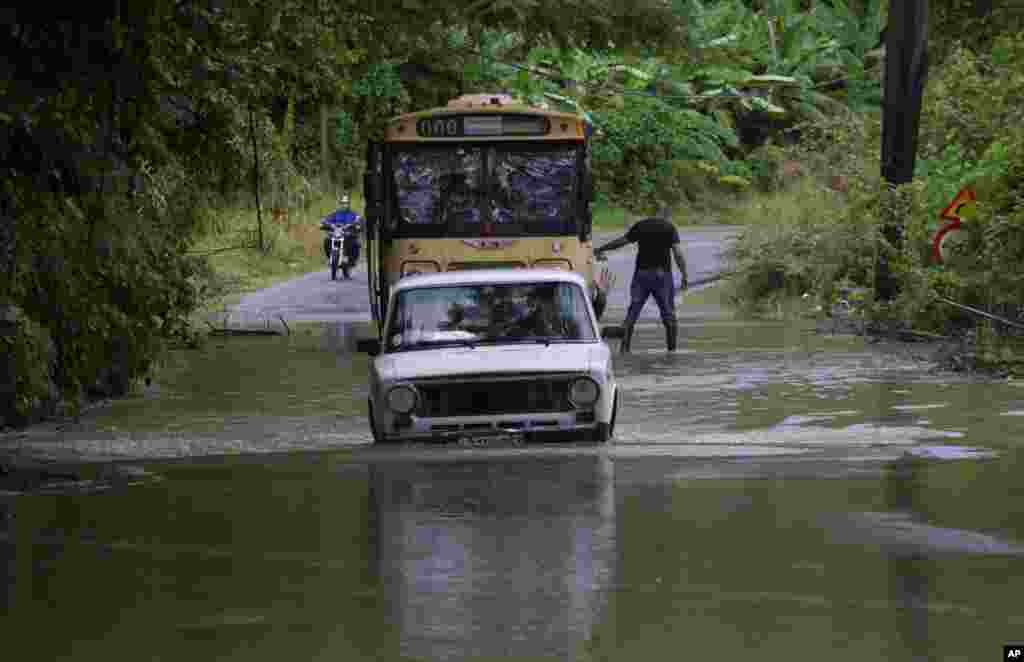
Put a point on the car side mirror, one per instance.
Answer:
(612, 332)
(369, 346)
(586, 225)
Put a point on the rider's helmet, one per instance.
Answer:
(344, 202)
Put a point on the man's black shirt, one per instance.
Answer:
(654, 238)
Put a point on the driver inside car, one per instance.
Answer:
(542, 318)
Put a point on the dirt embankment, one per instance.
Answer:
(961, 351)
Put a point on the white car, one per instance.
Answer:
(495, 352)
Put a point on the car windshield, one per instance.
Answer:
(470, 314)
(470, 190)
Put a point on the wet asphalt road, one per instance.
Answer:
(314, 297)
(770, 493)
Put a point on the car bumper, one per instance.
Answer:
(527, 426)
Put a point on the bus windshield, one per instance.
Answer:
(473, 190)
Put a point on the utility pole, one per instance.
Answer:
(256, 178)
(324, 153)
(906, 69)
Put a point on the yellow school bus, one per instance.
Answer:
(484, 182)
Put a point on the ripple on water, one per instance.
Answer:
(937, 405)
(943, 452)
(859, 435)
(801, 419)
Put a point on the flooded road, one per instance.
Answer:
(769, 489)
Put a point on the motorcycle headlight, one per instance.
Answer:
(402, 399)
(584, 392)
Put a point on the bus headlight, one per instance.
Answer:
(584, 392)
(402, 399)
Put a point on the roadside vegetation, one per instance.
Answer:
(825, 254)
(124, 183)
(293, 245)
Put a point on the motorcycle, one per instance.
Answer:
(340, 255)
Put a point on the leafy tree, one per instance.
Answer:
(120, 124)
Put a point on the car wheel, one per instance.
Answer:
(604, 431)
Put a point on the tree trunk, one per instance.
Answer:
(906, 68)
(256, 178)
(323, 144)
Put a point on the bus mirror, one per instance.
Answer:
(586, 196)
(588, 188)
(586, 222)
(371, 188)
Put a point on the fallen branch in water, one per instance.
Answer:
(983, 313)
(245, 332)
(218, 250)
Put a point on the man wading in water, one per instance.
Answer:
(656, 238)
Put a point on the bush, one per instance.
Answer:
(28, 354)
(801, 242)
(105, 276)
(641, 150)
(970, 134)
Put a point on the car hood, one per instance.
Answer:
(456, 361)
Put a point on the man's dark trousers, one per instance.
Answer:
(656, 283)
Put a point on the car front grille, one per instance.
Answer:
(483, 397)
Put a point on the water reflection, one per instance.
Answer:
(909, 569)
(341, 337)
(490, 559)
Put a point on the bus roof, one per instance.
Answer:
(485, 103)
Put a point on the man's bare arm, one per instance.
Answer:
(612, 245)
(677, 253)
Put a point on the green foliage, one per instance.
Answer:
(801, 242)
(970, 134)
(29, 349)
(951, 170)
(110, 297)
(381, 80)
(633, 158)
(959, 17)
(344, 132)
(172, 92)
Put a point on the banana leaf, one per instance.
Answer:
(760, 105)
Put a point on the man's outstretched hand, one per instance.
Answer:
(606, 280)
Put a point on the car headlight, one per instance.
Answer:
(584, 392)
(402, 399)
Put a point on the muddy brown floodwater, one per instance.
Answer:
(770, 491)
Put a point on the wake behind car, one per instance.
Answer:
(495, 352)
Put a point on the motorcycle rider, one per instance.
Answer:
(350, 222)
